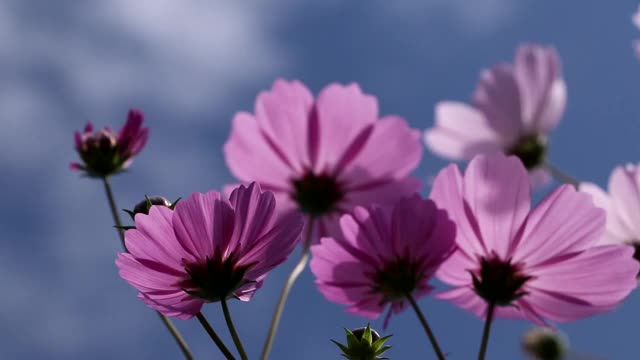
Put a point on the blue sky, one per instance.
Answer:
(190, 66)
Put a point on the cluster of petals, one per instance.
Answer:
(209, 248)
(514, 109)
(621, 203)
(105, 152)
(323, 156)
(383, 255)
(558, 270)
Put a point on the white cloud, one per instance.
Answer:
(472, 17)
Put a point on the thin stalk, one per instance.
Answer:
(216, 339)
(167, 323)
(561, 175)
(232, 330)
(486, 331)
(427, 329)
(284, 294)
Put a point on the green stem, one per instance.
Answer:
(427, 329)
(232, 329)
(216, 339)
(297, 270)
(116, 219)
(486, 331)
(561, 175)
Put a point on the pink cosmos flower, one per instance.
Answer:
(207, 249)
(622, 205)
(383, 255)
(514, 109)
(537, 264)
(326, 155)
(104, 152)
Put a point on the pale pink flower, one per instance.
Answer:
(104, 152)
(622, 205)
(514, 109)
(208, 249)
(538, 264)
(383, 255)
(326, 155)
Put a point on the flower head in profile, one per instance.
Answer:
(636, 21)
(514, 109)
(383, 256)
(207, 249)
(622, 205)
(326, 155)
(538, 264)
(105, 152)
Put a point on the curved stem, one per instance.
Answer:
(486, 331)
(561, 175)
(216, 339)
(232, 330)
(116, 219)
(297, 270)
(427, 329)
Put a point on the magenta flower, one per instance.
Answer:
(622, 205)
(104, 152)
(383, 256)
(537, 264)
(208, 249)
(323, 156)
(514, 109)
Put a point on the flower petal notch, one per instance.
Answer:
(208, 249)
(383, 256)
(104, 152)
(541, 264)
(323, 156)
(515, 108)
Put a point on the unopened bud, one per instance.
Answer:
(544, 344)
(364, 344)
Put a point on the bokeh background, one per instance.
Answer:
(190, 65)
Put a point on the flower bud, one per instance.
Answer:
(363, 344)
(544, 344)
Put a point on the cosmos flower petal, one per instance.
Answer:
(253, 209)
(497, 191)
(616, 231)
(181, 305)
(392, 150)
(343, 112)
(447, 194)
(596, 288)
(565, 221)
(624, 187)
(465, 298)
(460, 132)
(543, 90)
(250, 156)
(194, 221)
(498, 99)
(281, 115)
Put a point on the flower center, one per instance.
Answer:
(100, 152)
(215, 279)
(531, 150)
(500, 282)
(317, 194)
(397, 280)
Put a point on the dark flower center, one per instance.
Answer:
(317, 194)
(215, 279)
(397, 280)
(100, 153)
(500, 282)
(531, 150)
(636, 254)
